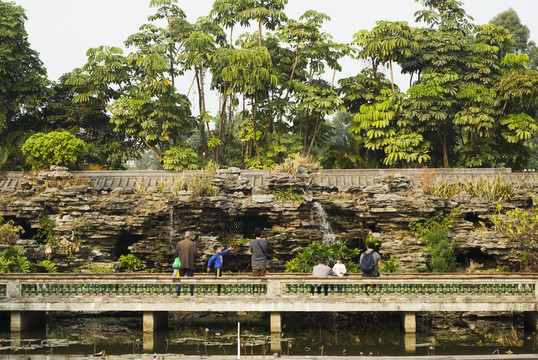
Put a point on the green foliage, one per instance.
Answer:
(45, 232)
(22, 85)
(289, 195)
(390, 266)
(306, 259)
(12, 260)
(179, 158)
(130, 262)
(44, 266)
(9, 232)
(520, 227)
(495, 189)
(54, 148)
(433, 232)
(202, 184)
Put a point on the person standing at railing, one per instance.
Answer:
(186, 251)
(321, 270)
(217, 261)
(258, 248)
(370, 261)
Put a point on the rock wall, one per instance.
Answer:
(98, 224)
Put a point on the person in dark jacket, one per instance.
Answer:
(186, 251)
(258, 248)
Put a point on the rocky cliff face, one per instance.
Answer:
(96, 224)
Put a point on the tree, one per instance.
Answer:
(54, 148)
(249, 73)
(264, 12)
(22, 83)
(90, 123)
(138, 89)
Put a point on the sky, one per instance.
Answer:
(61, 31)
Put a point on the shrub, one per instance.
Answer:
(305, 260)
(130, 262)
(9, 232)
(54, 148)
(439, 247)
(291, 165)
(520, 226)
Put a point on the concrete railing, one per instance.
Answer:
(276, 292)
(337, 178)
(28, 297)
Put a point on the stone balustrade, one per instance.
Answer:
(340, 178)
(276, 293)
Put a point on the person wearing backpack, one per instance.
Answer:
(370, 261)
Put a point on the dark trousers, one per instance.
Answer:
(218, 273)
(318, 287)
(183, 272)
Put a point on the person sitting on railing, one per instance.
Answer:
(321, 271)
(339, 269)
(370, 261)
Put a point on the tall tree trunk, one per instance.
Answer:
(334, 72)
(293, 71)
(254, 105)
(201, 107)
(443, 139)
(316, 130)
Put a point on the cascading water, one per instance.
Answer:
(172, 231)
(324, 224)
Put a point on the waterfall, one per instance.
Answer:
(324, 225)
(172, 231)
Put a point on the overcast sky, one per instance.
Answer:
(63, 30)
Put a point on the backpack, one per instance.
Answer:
(368, 264)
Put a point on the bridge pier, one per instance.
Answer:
(276, 322)
(154, 321)
(28, 320)
(409, 321)
(531, 318)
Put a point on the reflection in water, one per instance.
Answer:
(324, 334)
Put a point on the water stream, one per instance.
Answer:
(324, 224)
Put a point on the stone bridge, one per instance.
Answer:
(334, 177)
(29, 296)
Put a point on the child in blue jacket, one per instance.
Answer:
(217, 259)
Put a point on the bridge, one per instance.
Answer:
(27, 297)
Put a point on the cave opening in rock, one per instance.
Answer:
(475, 256)
(245, 225)
(29, 232)
(125, 241)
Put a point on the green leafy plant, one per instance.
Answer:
(130, 262)
(390, 265)
(289, 195)
(492, 188)
(202, 184)
(439, 246)
(9, 232)
(519, 226)
(54, 148)
(45, 233)
(44, 266)
(306, 259)
(12, 260)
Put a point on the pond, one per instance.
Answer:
(317, 334)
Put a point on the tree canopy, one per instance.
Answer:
(471, 100)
